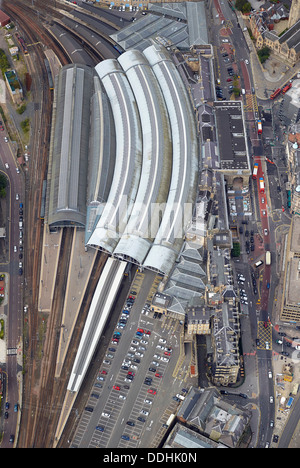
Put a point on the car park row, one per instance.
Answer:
(140, 360)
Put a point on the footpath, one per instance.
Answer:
(272, 74)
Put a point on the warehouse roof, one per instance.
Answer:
(67, 175)
(4, 18)
(183, 24)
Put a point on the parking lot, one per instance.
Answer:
(134, 392)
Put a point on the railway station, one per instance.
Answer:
(136, 159)
(123, 168)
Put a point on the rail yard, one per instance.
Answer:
(43, 394)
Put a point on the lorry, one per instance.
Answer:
(261, 185)
(259, 127)
(255, 170)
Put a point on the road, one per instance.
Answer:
(14, 305)
(229, 39)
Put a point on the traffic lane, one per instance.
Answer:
(12, 398)
(219, 10)
(6, 153)
(246, 77)
(267, 407)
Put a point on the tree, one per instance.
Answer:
(243, 5)
(236, 249)
(263, 54)
(3, 184)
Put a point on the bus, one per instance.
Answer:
(286, 88)
(255, 169)
(261, 185)
(259, 127)
(268, 258)
(276, 93)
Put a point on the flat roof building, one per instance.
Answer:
(231, 135)
(4, 19)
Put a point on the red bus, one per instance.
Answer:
(276, 93)
(259, 127)
(255, 169)
(261, 185)
(286, 88)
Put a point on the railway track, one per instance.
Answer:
(33, 183)
(43, 394)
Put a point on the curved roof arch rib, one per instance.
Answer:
(128, 161)
(182, 191)
(157, 158)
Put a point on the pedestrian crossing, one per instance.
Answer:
(251, 103)
(264, 334)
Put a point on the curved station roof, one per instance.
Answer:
(142, 161)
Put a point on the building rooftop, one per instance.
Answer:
(231, 136)
(182, 24)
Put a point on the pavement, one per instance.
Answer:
(283, 388)
(81, 264)
(272, 74)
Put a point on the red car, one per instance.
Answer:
(104, 372)
(115, 341)
(158, 375)
(229, 79)
(167, 354)
(116, 387)
(140, 330)
(148, 332)
(152, 391)
(131, 373)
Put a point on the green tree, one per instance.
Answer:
(243, 5)
(263, 54)
(25, 125)
(236, 249)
